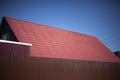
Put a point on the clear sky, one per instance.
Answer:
(99, 18)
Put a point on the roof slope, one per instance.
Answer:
(57, 43)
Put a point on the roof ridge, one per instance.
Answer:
(22, 20)
(45, 25)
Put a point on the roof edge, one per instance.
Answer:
(5, 17)
(13, 42)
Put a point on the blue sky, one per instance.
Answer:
(100, 18)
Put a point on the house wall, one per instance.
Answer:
(16, 64)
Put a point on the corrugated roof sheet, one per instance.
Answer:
(58, 43)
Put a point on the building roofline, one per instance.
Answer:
(13, 42)
(5, 17)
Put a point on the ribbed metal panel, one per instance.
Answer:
(14, 49)
(32, 68)
(23, 67)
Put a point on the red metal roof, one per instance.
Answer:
(58, 43)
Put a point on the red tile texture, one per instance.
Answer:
(58, 43)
